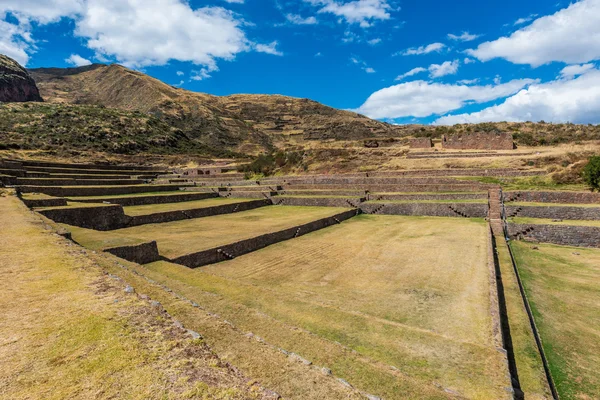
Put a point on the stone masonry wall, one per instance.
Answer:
(103, 218)
(554, 212)
(465, 210)
(553, 197)
(566, 235)
(420, 143)
(479, 141)
(151, 199)
(142, 253)
(350, 202)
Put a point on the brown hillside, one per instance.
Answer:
(244, 123)
(15, 83)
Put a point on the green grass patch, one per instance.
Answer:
(181, 206)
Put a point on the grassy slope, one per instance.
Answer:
(363, 286)
(70, 331)
(186, 205)
(564, 292)
(530, 370)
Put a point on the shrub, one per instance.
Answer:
(591, 173)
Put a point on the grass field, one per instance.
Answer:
(547, 221)
(530, 204)
(407, 294)
(452, 201)
(69, 331)
(118, 196)
(529, 367)
(186, 205)
(563, 287)
(179, 238)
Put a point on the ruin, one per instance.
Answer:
(420, 143)
(479, 141)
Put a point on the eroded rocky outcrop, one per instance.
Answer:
(16, 85)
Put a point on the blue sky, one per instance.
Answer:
(425, 61)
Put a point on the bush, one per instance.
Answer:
(591, 173)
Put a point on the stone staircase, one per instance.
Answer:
(495, 211)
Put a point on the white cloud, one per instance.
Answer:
(412, 72)
(375, 41)
(575, 70)
(319, 54)
(363, 65)
(141, 33)
(522, 21)
(422, 99)
(180, 73)
(269, 48)
(235, 1)
(468, 81)
(41, 11)
(468, 60)
(15, 42)
(571, 35)
(464, 37)
(362, 12)
(446, 68)
(572, 100)
(437, 47)
(298, 20)
(78, 61)
(200, 75)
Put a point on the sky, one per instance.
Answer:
(404, 61)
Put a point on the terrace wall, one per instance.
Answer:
(465, 210)
(555, 212)
(420, 143)
(233, 250)
(479, 141)
(145, 200)
(553, 197)
(78, 182)
(566, 235)
(442, 196)
(180, 215)
(59, 191)
(101, 218)
(352, 202)
(51, 202)
(142, 253)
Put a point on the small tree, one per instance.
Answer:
(591, 173)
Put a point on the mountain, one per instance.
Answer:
(243, 123)
(16, 85)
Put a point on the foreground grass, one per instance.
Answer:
(530, 370)
(184, 237)
(69, 331)
(364, 286)
(563, 286)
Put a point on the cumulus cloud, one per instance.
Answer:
(563, 100)
(412, 72)
(269, 48)
(15, 42)
(363, 65)
(200, 75)
(361, 12)
(41, 11)
(446, 68)
(575, 70)
(464, 37)
(468, 60)
(524, 20)
(571, 35)
(77, 60)
(437, 47)
(422, 99)
(298, 20)
(375, 41)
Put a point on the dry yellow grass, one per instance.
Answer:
(184, 237)
(563, 287)
(547, 221)
(411, 293)
(69, 331)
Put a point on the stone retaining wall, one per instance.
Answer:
(78, 182)
(84, 166)
(479, 141)
(180, 215)
(226, 252)
(566, 235)
(52, 202)
(151, 199)
(249, 195)
(465, 210)
(420, 143)
(425, 188)
(350, 202)
(554, 212)
(142, 253)
(442, 196)
(553, 197)
(101, 218)
(59, 191)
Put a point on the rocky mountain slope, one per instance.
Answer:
(16, 85)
